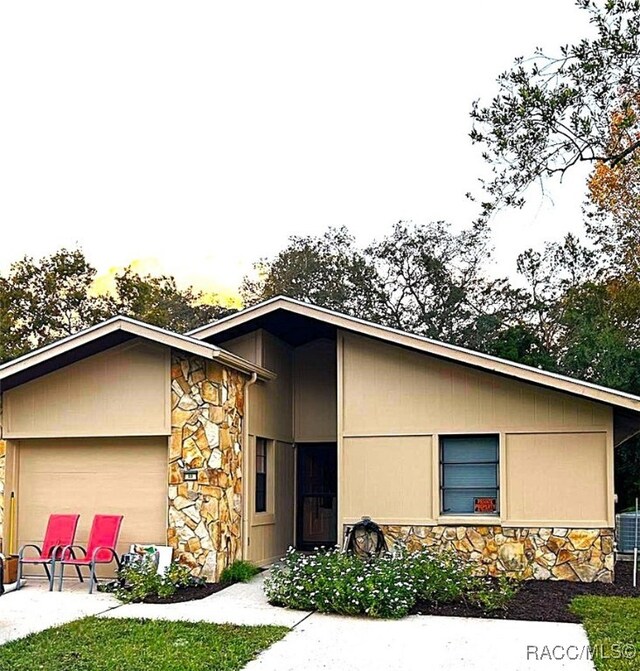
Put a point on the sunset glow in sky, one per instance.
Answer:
(194, 138)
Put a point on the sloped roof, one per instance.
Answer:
(442, 350)
(110, 332)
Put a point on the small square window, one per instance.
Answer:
(469, 475)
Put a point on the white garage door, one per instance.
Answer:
(125, 476)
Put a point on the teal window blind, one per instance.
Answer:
(469, 475)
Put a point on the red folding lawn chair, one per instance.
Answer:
(61, 532)
(101, 548)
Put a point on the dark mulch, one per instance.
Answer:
(192, 593)
(184, 594)
(542, 600)
(188, 593)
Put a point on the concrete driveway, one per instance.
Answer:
(324, 641)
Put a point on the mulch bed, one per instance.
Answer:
(542, 600)
(188, 593)
(192, 593)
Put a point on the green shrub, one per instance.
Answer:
(388, 586)
(180, 576)
(492, 597)
(444, 577)
(140, 580)
(239, 571)
(335, 582)
(441, 577)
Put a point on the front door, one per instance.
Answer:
(317, 495)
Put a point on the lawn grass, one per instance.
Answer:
(613, 628)
(94, 644)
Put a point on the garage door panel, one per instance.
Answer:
(115, 456)
(95, 476)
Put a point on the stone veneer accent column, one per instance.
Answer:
(207, 405)
(541, 553)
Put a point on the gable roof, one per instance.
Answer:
(436, 348)
(109, 333)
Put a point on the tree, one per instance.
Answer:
(553, 112)
(327, 270)
(44, 300)
(549, 275)
(422, 278)
(41, 301)
(158, 301)
(431, 280)
(581, 105)
(600, 343)
(613, 213)
(13, 331)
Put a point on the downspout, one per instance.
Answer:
(245, 463)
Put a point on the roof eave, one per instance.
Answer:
(139, 329)
(452, 353)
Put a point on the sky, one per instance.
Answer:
(194, 138)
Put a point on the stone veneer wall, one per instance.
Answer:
(207, 404)
(541, 553)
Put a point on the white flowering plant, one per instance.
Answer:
(331, 581)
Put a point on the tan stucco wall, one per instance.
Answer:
(9, 475)
(207, 405)
(390, 390)
(555, 448)
(271, 533)
(124, 391)
(3, 460)
(248, 346)
(372, 462)
(560, 476)
(272, 401)
(315, 392)
(271, 417)
(300, 405)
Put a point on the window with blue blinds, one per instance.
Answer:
(469, 475)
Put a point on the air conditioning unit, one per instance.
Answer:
(626, 531)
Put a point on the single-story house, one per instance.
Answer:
(285, 423)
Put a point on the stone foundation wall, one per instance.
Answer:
(541, 553)
(205, 516)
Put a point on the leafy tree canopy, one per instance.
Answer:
(554, 111)
(327, 270)
(157, 300)
(46, 299)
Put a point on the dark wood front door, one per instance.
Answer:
(317, 495)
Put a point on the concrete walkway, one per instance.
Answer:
(424, 642)
(34, 608)
(323, 641)
(362, 644)
(239, 604)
